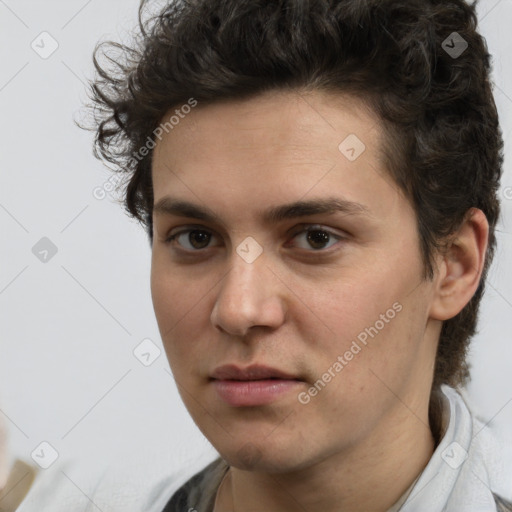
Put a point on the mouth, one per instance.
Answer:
(253, 372)
(252, 386)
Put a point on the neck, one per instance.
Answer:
(370, 476)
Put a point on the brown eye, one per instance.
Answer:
(199, 239)
(317, 238)
(195, 238)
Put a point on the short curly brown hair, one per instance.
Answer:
(443, 140)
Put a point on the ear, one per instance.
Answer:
(460, 267)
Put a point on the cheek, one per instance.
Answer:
(165, 293)
(350, 306)
(176, 306)
(368, 323)
(174, 294)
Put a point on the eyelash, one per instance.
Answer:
(308, 229)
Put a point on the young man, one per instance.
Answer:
(319, 184)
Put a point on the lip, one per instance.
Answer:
(253, 372)
(252, 386)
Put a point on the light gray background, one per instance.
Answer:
(68, 375)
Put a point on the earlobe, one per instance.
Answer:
(460, 267)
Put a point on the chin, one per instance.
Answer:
(263, 458)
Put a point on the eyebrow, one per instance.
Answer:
(330, 205)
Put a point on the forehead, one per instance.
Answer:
(278, 147)
(275, 119)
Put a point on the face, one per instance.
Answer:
(330, 297)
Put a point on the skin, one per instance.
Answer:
(364, 438)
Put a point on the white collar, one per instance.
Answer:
(465, 467)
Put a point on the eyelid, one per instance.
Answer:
(315, 226)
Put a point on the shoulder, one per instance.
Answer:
(484, 467)
(467, 470)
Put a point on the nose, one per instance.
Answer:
(250, 295)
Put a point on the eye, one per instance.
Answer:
(317, 237)
(195, 237)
